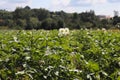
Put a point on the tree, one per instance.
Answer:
(27, 18)
(27, 7)
(60, 23)
(22, 23)
(75, 16)
(32, 23)
(10, 23)
(41, 14)
(116, 20)
(22, 13)
(5, 14)
(48, 24)
(88, 16)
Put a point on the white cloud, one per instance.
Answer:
(12, 4)
(71, 5)
(60, 2)
(70, 9)
(111, 1)
(69, 2)
(17, 1)
(97, 1)
(87, 2)
(2, 2)
(57, 5)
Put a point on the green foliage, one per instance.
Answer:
(27, 18)
(44, 55)
(48, 24)
(32, 23)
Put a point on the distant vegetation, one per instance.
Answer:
(27, 18)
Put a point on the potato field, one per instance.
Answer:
(46, 55)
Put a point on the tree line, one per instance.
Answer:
(27, 19)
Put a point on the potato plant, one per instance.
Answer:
(44, 55)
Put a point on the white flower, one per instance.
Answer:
(62, 66)
(48, 51)
(86, 29)
(45, 77)
(76, 70)
(73, 53)
(1, 60)
(98, 29)
(24, 32)
(104, 73)
(89, 76)
(119, 73)
(119, 63)
(7, 59)
(118, 26)
(56, 73)
(82, 56)
(75, 79)
(24, 65)
(13, 49)
(63, 32)
(96, 41)
(66, 31)
(85, 62)
(20, 72)
(103, 53)
(104, 30)
(15, 39)
(49, 67)
(27, 57)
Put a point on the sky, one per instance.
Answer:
(101, 7)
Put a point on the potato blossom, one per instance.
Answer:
(103, 29)
(27, 58)
(63, 31)
(20, 72)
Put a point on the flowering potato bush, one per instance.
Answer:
(63, 31)
(44, 55)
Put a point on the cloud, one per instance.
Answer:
(113, 1)
(60, 2)
(86, 2)
(80, 2)
(2, 2)
(18, 1)
(15, 1)
(71, 5)
(12, 4)
(57, 5)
